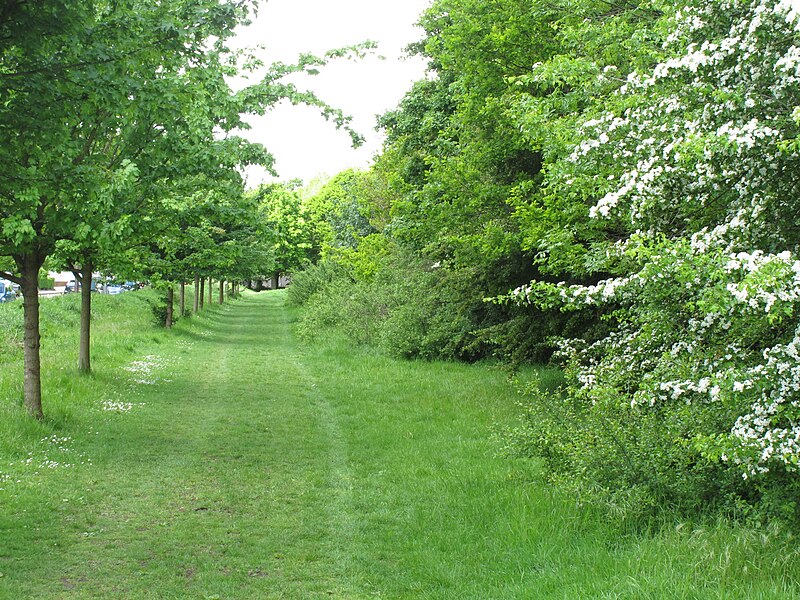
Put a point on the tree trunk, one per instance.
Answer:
(29, 265)
(182, 300)
(84, 351)
(170, 306)
(276, 278)
(221, 291)
(202, 291)
(196, 294)
(210, 292)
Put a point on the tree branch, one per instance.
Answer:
(10, 277)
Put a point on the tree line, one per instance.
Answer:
(122, 147)
(611, 186)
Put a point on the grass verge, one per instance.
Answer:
(225, 460)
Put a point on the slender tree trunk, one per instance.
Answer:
(221, 291)
(196, 294)
(210, 292)
(182, 299)
(29, 265)
(202, 292)
(84, 351)
(170, 306)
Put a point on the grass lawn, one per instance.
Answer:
(224, 459)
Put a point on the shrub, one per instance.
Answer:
(639, 463)
(312, 280)
(691, 400)
(411, 308)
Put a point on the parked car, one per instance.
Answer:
(113, 289)
(7, 293)
(70, 287)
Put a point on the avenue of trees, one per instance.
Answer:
(612, 186)
(608, 186)
(120, 150)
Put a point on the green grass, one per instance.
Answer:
(250, 466)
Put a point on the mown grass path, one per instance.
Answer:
(248, 466)
(219, 482)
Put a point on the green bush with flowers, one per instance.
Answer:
(693, 398)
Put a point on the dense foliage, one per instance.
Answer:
(694, 159)
(615, 185)
(611, 186)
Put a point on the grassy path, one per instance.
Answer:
(220, 481)
(241, 465)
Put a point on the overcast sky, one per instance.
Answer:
(303, 143)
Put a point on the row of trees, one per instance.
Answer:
(613, 184)
(120, 149)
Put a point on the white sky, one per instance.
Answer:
(303, 143)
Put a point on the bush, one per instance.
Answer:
(691, 402)
(314, 279)
(410, 308)
(694, 395)
(399, 309)
(638, 462)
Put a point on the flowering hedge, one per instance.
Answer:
(696, 160)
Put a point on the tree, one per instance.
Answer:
(284, 227)
(60, 85)
(98, 92)
(468, 150)
(338, 213)
(694, 162)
